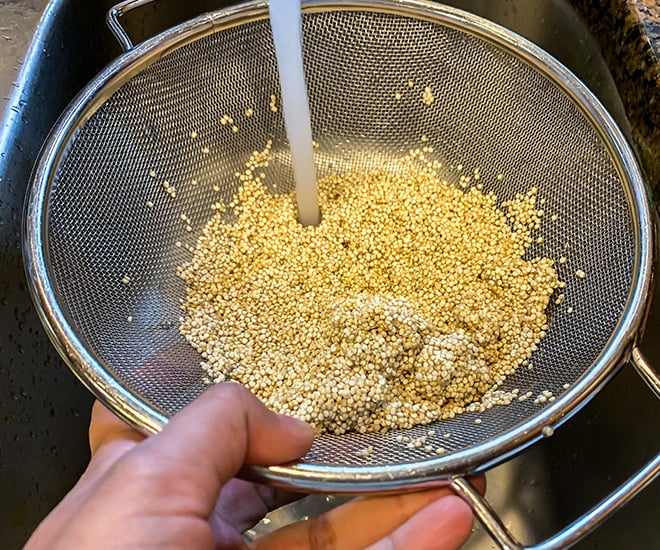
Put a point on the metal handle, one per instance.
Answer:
(589, 521)
(645, 370)
(113, 16)
(570, 534)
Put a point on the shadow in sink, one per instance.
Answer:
(537, 492)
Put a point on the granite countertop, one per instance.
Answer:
(628, 32)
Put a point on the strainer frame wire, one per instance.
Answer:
(308, 477)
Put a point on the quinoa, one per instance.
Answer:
(427, 96)
(410, 302)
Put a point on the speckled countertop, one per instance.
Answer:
(629, 35)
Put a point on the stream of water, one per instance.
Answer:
(286, 25)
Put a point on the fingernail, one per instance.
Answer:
(298, 425)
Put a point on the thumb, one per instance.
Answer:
(206, 443)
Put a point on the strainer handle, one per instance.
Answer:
(113, 20)
(645, 370)
(589, 521)
(570, 534)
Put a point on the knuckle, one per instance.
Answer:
(232, 392)
(140, 466)
(321, 534)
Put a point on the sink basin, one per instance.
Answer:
(45, 411)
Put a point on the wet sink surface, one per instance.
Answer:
(44, 411)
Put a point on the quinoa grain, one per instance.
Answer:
(410, 302)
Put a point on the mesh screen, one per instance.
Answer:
(492, 111)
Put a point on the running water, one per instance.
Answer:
(286, 25)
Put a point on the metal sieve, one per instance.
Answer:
(98, 215)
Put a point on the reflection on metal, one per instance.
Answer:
(646, 371)
(113, 19)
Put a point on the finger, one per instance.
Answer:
(105, 427)
(206, 443)
(242, 504)
(109, 439)
(442, 525)
(230, 419)
(354, 525)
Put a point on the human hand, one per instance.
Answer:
(176, 489)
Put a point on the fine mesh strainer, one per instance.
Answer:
(501, 105)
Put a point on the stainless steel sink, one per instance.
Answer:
(44, 411)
